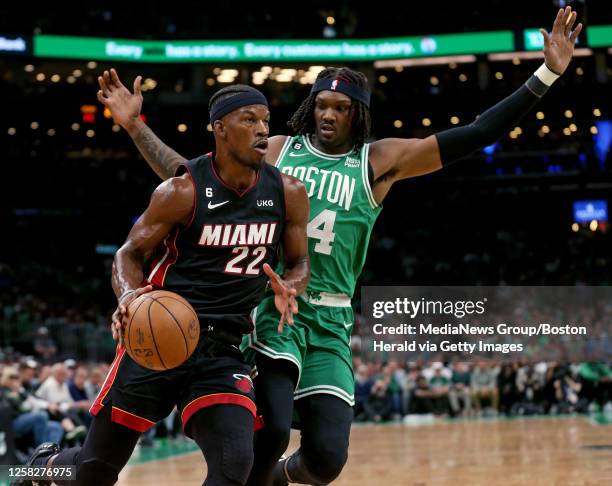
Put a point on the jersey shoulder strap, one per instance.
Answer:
(367, 174)
(284, 149)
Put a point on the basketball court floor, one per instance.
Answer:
(525, 451)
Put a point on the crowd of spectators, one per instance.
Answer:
(46, 401)
(49, 401)
(390, 391)
(55, 315)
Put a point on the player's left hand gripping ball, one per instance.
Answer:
(122, 310)
(284, 298)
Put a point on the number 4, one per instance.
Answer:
(326, 235)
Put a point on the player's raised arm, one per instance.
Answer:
(125, 108)
(171, 204)
(394, 159)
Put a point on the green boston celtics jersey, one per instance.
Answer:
(342, 211)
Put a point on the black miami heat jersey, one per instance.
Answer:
(215, 262)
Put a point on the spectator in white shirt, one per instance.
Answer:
(55, 388)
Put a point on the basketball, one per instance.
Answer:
(162, 330)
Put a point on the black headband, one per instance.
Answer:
(232, 103)
(342, 85)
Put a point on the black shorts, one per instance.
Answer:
(214, 374)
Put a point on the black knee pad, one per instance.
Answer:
(275, 435)
(237, 459)
(307, 469)
(324, 462)
(95, 471)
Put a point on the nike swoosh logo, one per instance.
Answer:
(291, 154)
(213, 206)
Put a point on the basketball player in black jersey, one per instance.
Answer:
(211, 234)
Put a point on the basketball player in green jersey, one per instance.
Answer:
(308, 365)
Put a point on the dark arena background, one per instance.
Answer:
(531, 209)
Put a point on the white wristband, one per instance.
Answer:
(546, 75)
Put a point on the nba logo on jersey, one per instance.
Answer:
(334, 84)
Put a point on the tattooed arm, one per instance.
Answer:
(162, 159)
(125, 108)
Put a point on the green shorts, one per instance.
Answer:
(318, 343)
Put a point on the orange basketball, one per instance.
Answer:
(161, 330)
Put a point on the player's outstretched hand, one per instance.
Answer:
(559, 44)
(284, 297)
(124, 105)
(121, 313)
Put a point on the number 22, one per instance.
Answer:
(241, 253)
